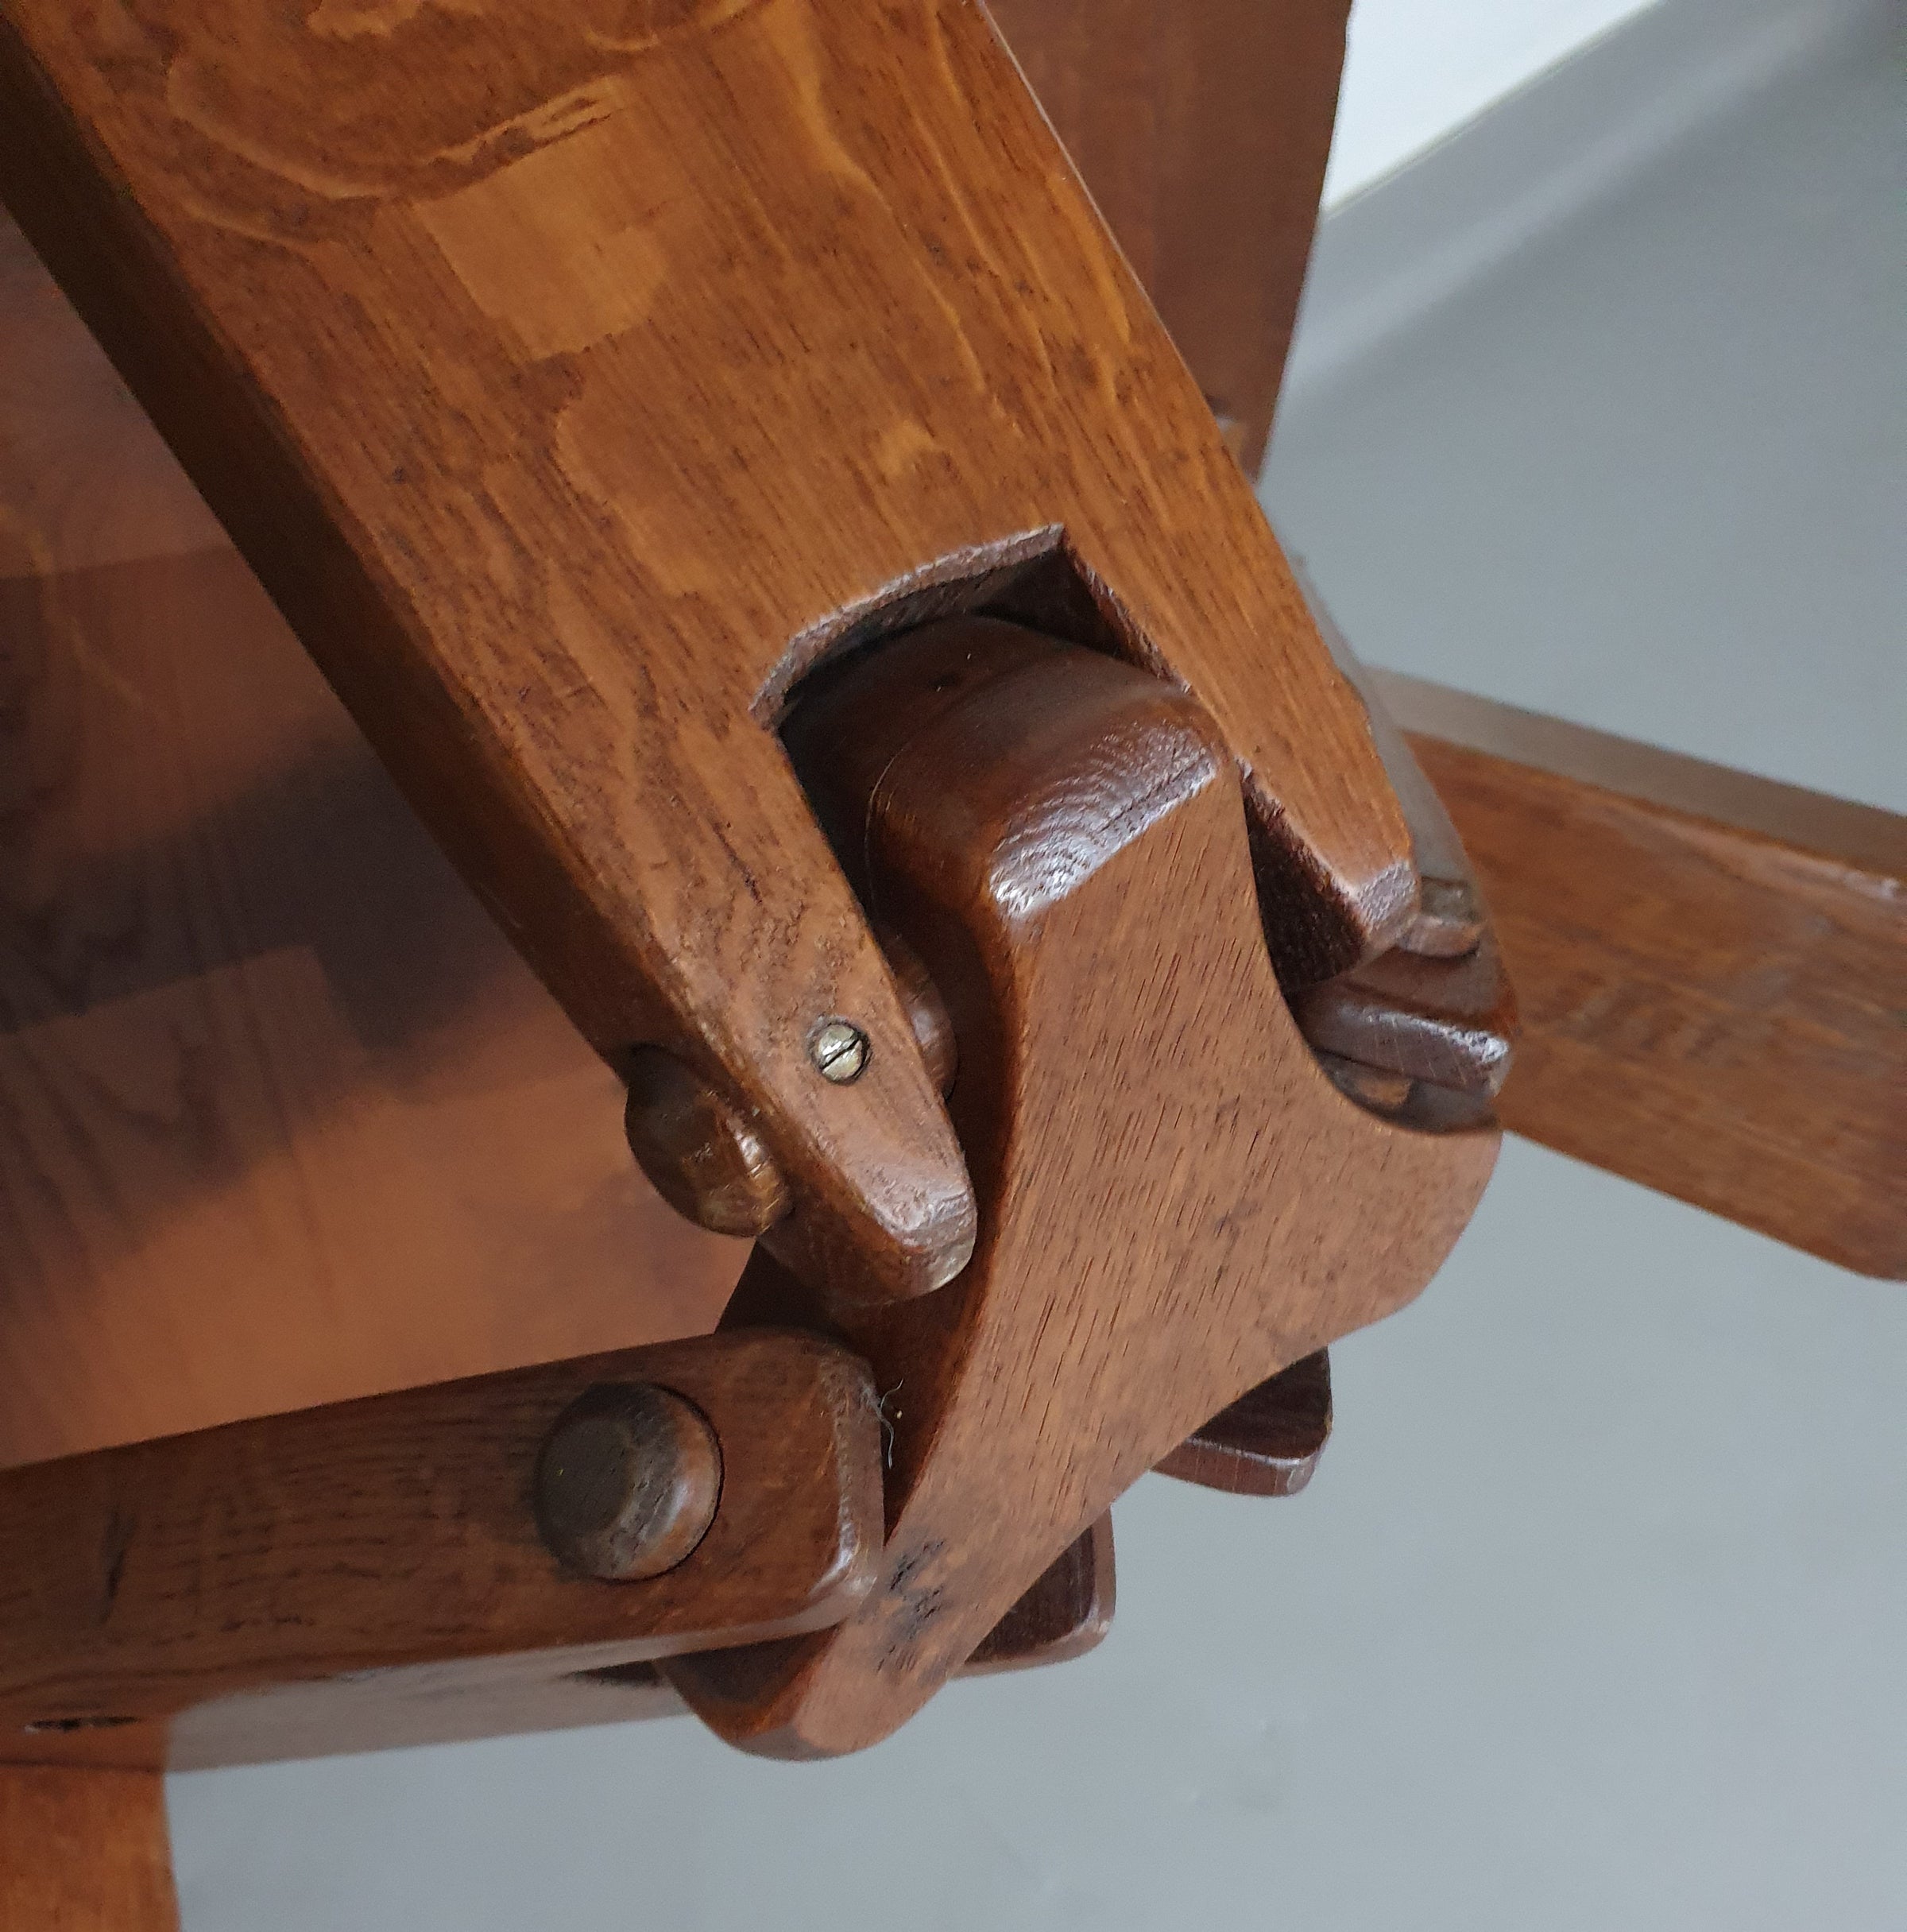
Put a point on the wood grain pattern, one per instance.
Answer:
(1201, 128)
(1711, 969)
(279, 1107)
(137, 1583)
(84, 1851)
(1452, 1023)
(574, 383)
(1058, 836)
(1065, 1614)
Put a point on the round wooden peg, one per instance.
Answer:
(626, 1482)
(703, 1156)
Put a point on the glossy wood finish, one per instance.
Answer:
(141, 1582)
(84, 1851)
(1202, 128)
(628, 1482)
(281, 1108)
(1059, 837)
(1713, 971)
(1268, 1441)
(515, 394)
(1451, 1022)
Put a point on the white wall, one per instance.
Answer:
(1418, 68)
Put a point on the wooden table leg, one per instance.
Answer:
(84, 1851)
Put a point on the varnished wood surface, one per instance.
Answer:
(140, 1583)
(1066, 1613)
(1452, 1023)
(1059, 838)
(1712, 969)
(569, 416)
(1201, 128)
(281, 1112)
(84, 1851)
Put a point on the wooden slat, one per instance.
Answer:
(138, 1584)
(1712, 969)
(84, 1851)
(1065, 1614)
(1268, 1441)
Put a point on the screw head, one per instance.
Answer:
(839, 1050)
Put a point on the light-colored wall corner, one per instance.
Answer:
(1417, 69)
(1573, 134)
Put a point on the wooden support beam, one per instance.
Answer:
(1712, 969)
(139, 1585)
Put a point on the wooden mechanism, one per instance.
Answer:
(1060, 839)
(742, 506)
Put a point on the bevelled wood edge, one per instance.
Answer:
(1859, 837)
(1268, 1441)
(1063, 1615)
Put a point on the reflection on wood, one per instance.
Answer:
(282, 1114)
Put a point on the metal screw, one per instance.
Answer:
(839, 1050)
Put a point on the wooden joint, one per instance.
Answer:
(139, 1585)
(1060, 838)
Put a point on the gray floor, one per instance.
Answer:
(1592, 1618)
